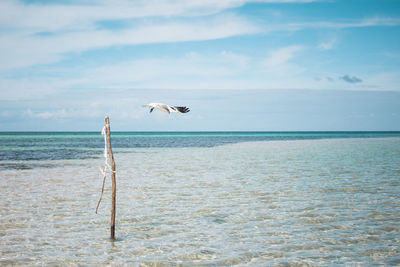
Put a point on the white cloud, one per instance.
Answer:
(33, 34)
(159, 71)
(194, 70)
(119, 106)
(379, 21)
(22, 51)
(73, 27)
(27, 88)
(51, 17)
(226, 70)
(368, 22)
(57, 114)
(279, 61)
(236, 59)
(328, 45)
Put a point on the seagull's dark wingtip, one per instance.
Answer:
(183, 109)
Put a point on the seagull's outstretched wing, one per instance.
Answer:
(183, 109)
(167, 108)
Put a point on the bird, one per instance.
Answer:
(167, 108)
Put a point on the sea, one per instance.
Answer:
(201, 199)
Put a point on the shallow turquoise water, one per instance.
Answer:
(324, 202)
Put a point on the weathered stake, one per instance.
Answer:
(114, 183)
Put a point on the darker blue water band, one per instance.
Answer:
(23, 146)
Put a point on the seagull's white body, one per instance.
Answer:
(167, 108)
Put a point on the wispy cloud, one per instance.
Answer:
(353, 23)
(162, 72)
(22, 51)
(328, 45)
(122, 106)
(38, 33)
(279, 61)
(84, 14)
(44, 33)
(55, 114)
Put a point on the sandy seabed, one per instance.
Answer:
(306, 202)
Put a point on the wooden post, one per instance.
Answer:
(114, 183)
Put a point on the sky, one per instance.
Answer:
(263, 65)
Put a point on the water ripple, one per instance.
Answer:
(285, 203)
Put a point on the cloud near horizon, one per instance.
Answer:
(351, 79)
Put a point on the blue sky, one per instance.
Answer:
(239, 65)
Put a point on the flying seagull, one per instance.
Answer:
(167, 108)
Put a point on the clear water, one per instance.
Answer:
(292, 201)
